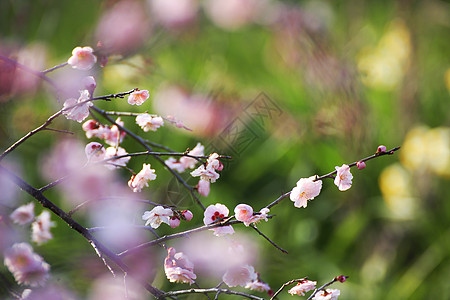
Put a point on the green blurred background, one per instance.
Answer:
(341, 77)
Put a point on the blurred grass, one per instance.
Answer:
(326, 120)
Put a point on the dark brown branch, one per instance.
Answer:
(211, 290)
(35, 193)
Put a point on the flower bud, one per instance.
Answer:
(381, 149)
(187, 214)
(174, 222)
(360, 165)
(341, 278)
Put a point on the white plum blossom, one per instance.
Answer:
(141, 179)
(257, 217)
(306, 189)
(148, 122)
(40, 229)
(203, 187)
(23, 214)
(77, 109)
(113, 136)
(82, 58)
(174, 164)
(302, 287)
(178, 267)
(157, 216)
(257, 285)
(239, 275)
(343, 178)
(94, 151)
(328, 294)
(138, 97)
(27, 267)
(214, 213)
(118, 162)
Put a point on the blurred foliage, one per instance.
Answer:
(342, 78)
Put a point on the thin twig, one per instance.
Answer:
(285, 285)
(160, 160)
(269, 240)
(54, 68)
(331, 174)
(211, 290)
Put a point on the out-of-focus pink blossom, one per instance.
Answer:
(240, 275)
(381, 149)
(177, 123)
(178, 267)
(157, 216)
(343, 179)
(148, 122)
(187, 214)
(118, 162)
(243, 212)
(258, 285)
(138, 97)
(123, 27)
(23, 214)
(94, 151)
(214, 213)
(302, 287)
(81, 110)
(27, 267)
(141, 179)
(174, 222)
(360, 165)
(306, 189)
(174, 13)
(232, 14)
(40, 229)
(89, 84)
(203, 187)
(82, 58)
(328, 294)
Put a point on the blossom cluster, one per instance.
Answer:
(27, 267)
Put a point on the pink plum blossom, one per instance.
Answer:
(189, 162)
(157, 216)
(232, 14)
(92, 128)
(302, 287)
(40, 229)
(23, 214)
(360, 165)
(174, 164)
(27, 267)
(113, 136)
(174, 222)
(209, 172)
(306, 189)
(381, 149)
(243, 212)
(148, 122)
(94, 151)
(203, 187)
(141, 179)
(138, 97)
(111, 152)
(262, 215)
(77, 110)
(82, 58)
(328, 294)
(239, 275)
(214, 213)
(187, 215)
(178, 267)
(343, 178)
